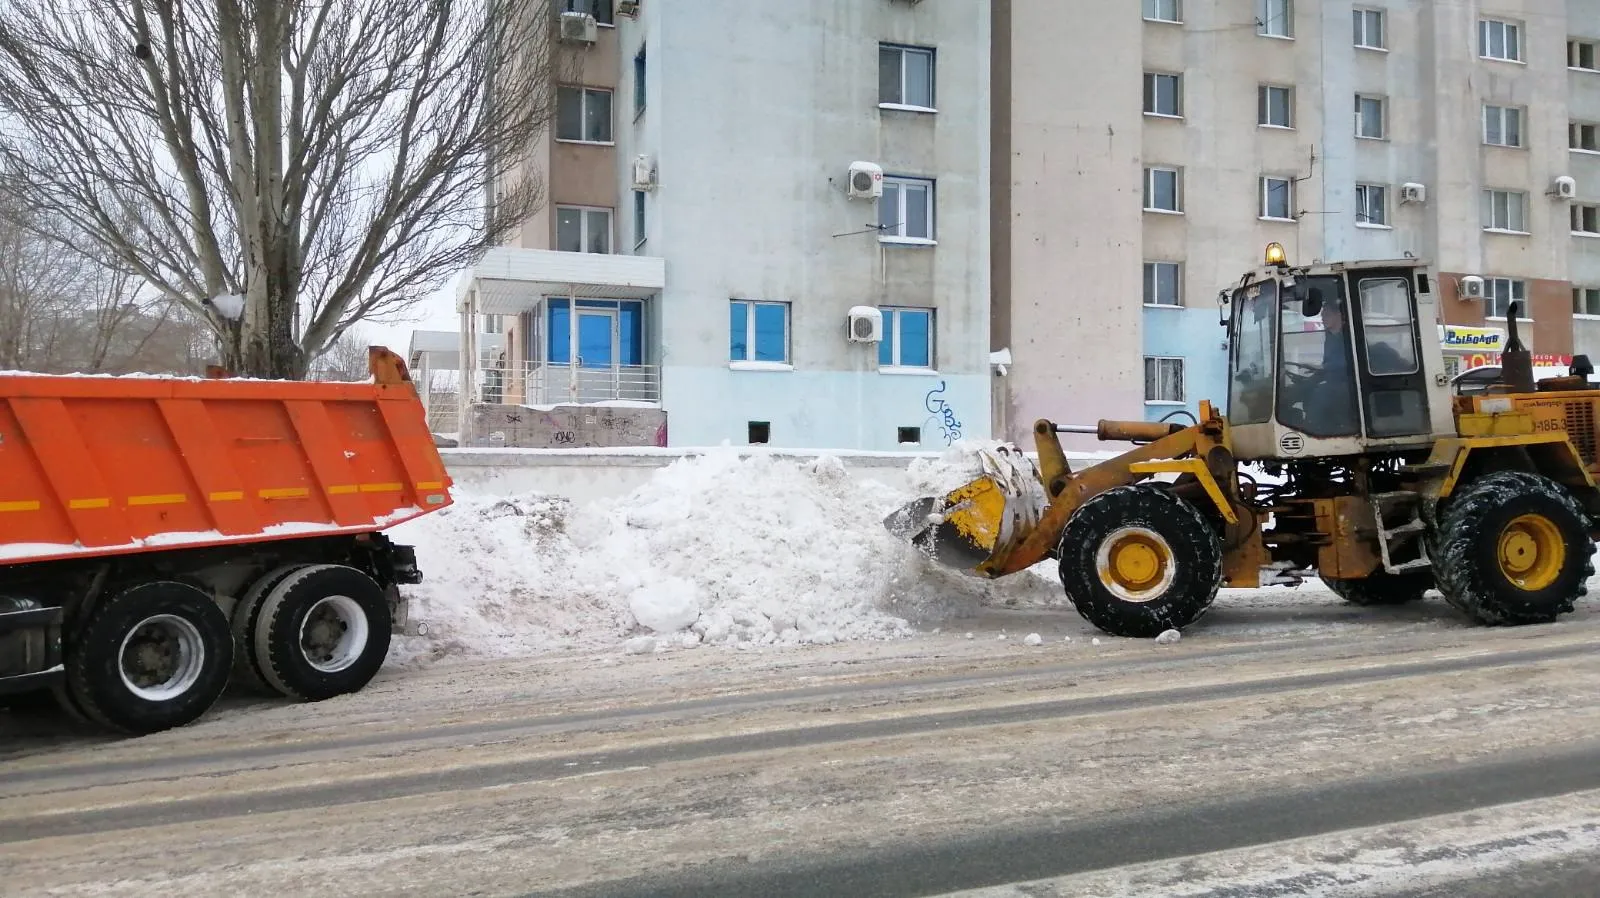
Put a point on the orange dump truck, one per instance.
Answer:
(163, 537)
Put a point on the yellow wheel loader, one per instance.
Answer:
(1375, 477)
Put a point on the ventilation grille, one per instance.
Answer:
(1580, 428)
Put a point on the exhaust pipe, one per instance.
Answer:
(1516, 362)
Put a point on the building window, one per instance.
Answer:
(1163, 379)
(600, 333)
(1277, 198)
(638, 219)
(1161, 284)
(1163, 188)
(1583, 55)
(1163, 94)
(1370, 117)
(1275, 18)
(1500, 293)
(1498, 39)
(1586, 219)
(1584, 136)
(908, 436)
(1372, 205)
(905, 211)
(1163, 11)
(583, 114)
(758, 433)
(639, 82)
(1505, 210)
(905, 76)
(601, 9)
(1586, 301)
(583, 229)
(1275, 106)
(1369, 28)
(907, 338)
(1502, 126)
(758, 331)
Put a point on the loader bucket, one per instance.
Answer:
(982, 520)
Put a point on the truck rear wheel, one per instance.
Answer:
(1381, 587)
(246, 672)
(322, 631)
(153, 657)
(1513, 548)
(1137, 560)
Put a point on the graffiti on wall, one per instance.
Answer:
(943, 416)
(566, 427)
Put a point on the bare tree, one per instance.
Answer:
(282, 168)
(345, 359)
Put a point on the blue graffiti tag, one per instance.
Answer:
(943, 414)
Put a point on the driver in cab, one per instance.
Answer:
(1332, 406)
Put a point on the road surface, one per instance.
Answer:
(1390, 752)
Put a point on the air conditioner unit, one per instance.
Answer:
(644, 173)
(578, 28)
(1472, 287)
(866, 181)
(866, 324)
(628, 8)
(1564, 187)
(1412, 192)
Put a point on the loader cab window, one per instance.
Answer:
(1394, 388)
(1255, 331)
(1316, 377)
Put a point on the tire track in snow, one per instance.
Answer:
(545, 769)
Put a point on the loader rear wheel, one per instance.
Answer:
(153, 657)
(1381, 588)
(1513, 548)
(322, 631)
(1137, 560)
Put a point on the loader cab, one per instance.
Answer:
(1334, 359)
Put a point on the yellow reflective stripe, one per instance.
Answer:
(286, 492)
(342, 489)
(431, 485)
(227, 496)
(23, 505)
(159, 499)
(381, 487)
(76, 504)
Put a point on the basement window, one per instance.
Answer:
(760, 432)
(909, 436)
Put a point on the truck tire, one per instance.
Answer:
(1381, 587)
(322, 631)
(1137, 560)
(153, 657)
(1513, 548)
(246, 672)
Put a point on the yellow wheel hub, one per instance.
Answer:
(1135, 561)
(1531, 552)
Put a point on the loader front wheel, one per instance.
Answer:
(1137, 560)
(1513, 548)
(1382, 587)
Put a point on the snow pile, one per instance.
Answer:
(715, 549)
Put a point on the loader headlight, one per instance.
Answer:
(1275, 254)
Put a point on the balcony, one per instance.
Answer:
(547, 384)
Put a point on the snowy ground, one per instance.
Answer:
(715, 550)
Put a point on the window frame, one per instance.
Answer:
(583, 226)
(1504, 113)
(1491, 296)
(1264, 106)
(604, 11)
(641, 81)
(902, 50)
(1263, 186)
(1264, 19)
(751, 349)
(1580, 296)
(1383, 116)
(1575, 128)
(1579, 228)
(1182, 379)
(640, 234)
(1152, 94)
(1575, 47)
(893, 331)
(584, 91)
(1360, 31)
(1150, 192)
(1363, 194)
(1510, 28)
(1149, 16)
(898, 235)
(1152, 284)
(1488, 221)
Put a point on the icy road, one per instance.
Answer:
(1276, 750)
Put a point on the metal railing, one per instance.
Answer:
(543, 383)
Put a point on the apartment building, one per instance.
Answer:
(1141, 173)
(766, 222)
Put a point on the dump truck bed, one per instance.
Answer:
(97, 465)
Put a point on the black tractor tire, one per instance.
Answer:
(1471, 538)
(1176, 551)
(171, 626)
(246, 612)
(322, 631)
(1381, 587)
